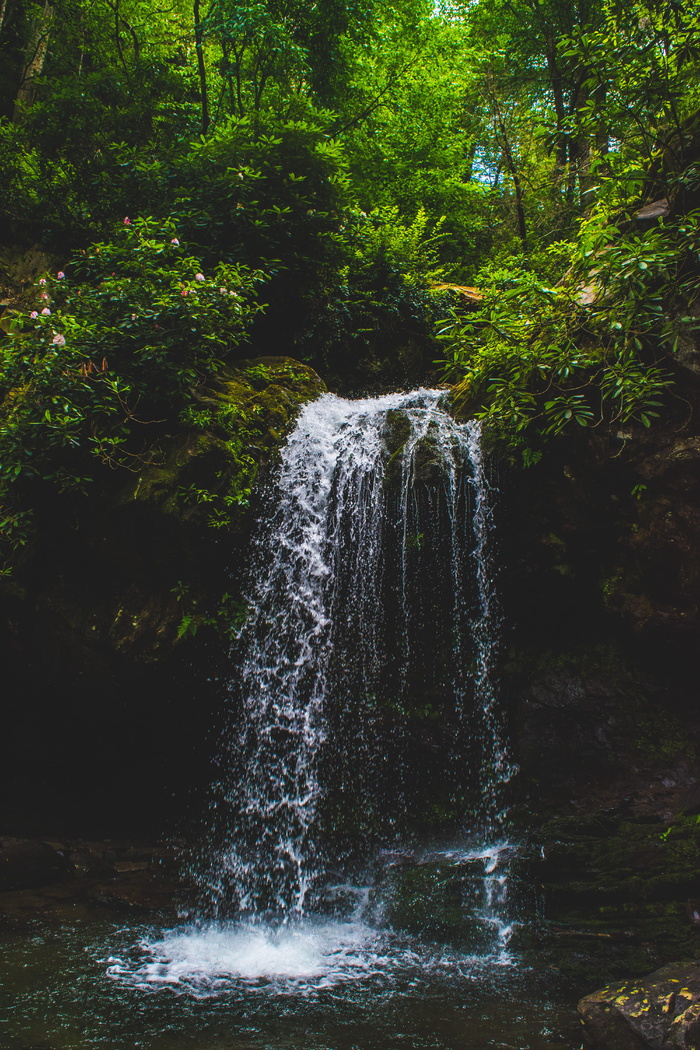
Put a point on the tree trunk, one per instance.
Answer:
(199, 46)
(579, 145)
(469, 162)
(517, 184)
(34, 63)
(555, 81)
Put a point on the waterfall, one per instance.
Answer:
(371, 610)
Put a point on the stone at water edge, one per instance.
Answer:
(25, 864)
(658, 1012)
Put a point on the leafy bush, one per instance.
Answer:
(382, 294)
(594, 348)
(116, 346)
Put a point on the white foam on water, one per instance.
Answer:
(207, 960)
(303, 957)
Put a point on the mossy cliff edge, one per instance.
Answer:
(108, 618)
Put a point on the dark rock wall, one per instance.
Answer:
(600, 548)
(115, 628)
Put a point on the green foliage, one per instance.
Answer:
(116, 347)
(412, 133)
(383, 294)
(640, 65)
(259, 50)
(593, 348)
(384, 242)
(265, 192)
(501, 141)
(228, 616)
(546, 353)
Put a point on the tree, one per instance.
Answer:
(35, 57)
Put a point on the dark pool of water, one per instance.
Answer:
(82, 983)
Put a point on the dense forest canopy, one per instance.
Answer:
(340, 181)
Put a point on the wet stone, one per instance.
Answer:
(25, 864)
(658, 1012)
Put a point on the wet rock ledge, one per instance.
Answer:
(658, 1012)
(41, 878)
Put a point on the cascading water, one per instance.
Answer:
(371, 494)
(364, 692)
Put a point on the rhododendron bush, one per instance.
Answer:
(131, 330)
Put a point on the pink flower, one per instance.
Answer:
(174, 241)
(185, 291)
(42, 280)
(133, 317)
(59, 340)
(44, 296)
(127, 220)
(60, 275)
(45, 312)
(34, 314)
(199, 277)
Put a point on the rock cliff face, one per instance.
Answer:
(600, 549)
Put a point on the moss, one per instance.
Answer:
(439, 901)
(130, 573)
(615, 895)
(206, 474)
(397, 430)
(463, 399)
(427, 459)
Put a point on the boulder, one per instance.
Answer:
(27, 863)
(658, 1012)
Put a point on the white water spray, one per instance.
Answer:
(358, 479)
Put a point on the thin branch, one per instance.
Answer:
(391, 82)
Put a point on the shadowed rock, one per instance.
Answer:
(25, 864)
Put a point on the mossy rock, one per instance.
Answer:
(439, 901)
(428, 459)
(397, 430)
(659, 1011)
(614, 895)
(205, 474)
